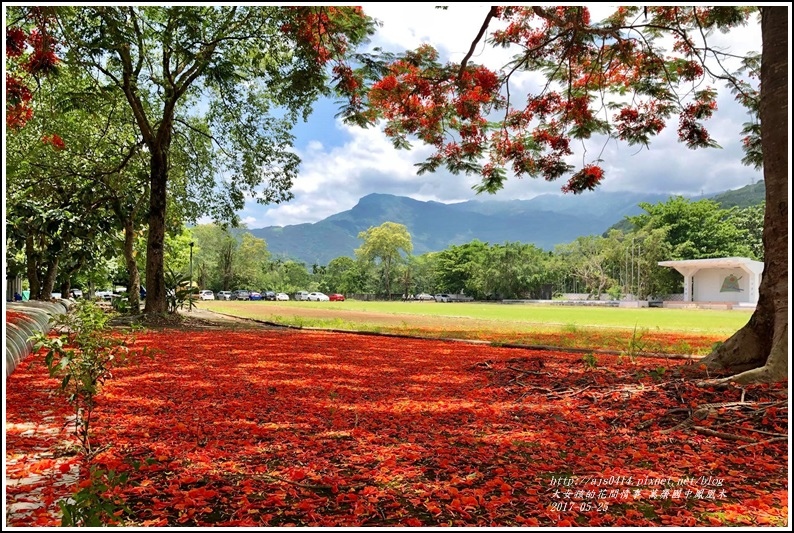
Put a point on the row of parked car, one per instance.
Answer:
(424, 297)
(242, 294)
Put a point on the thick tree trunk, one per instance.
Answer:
(49, 279)
(760, 349)
(155, 272)
(134, 286)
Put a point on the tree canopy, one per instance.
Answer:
(239, 76)
(385, 243)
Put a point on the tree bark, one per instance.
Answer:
(155, 271)
(49, 279)
(32, 263)
(759, 351)
(134, 287)
(66, 287)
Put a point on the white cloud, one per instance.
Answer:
(333, 177)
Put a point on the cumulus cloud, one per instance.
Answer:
(340, 168)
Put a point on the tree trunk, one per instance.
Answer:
(155, 273)
(32, 263)
(226, 264)
(134, 286)
(49, 279)
(66, 287)
(66, 275)
(760, 349)
(388, 278)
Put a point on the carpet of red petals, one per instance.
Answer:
(38, 472)
(276, 428)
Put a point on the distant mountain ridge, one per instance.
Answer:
(545, 221)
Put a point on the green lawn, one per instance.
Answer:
(700, 321)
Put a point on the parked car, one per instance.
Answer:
(282, 297)
(301, 295)
(241, 294)
(207, 295)
(317, 297)
(443, 298)
(76, 293)
(253, 295)
(336, 297)
(224, 295)
(269, 295)
(104, 294)
(424, 297)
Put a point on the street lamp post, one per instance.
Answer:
(190, 294)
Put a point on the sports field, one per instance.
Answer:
(691, 331)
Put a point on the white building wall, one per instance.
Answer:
(708, 282)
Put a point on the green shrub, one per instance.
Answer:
(179, 292)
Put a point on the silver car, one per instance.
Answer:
(224, 295)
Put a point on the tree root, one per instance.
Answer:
(721, 434)
(765, 374)
(776, 439)
(758, 410)
(741, 350)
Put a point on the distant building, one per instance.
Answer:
(729, 280)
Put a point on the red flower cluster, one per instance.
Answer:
(587, 178)
(41, 60)
(18, 96)
(15, 41)
(54, 140)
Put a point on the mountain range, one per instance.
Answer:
(545, 221)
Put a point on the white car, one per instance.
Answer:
(206, 295)
(443, 298)
(424, 297)
(103, 295)
(282, 297)
(225, 295)
(318, 297)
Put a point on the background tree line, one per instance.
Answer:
(621, 262)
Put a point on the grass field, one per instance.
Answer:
(536, 316)
(679, 331)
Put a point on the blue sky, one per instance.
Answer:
(343, 163)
